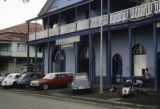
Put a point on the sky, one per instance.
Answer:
(14, 12)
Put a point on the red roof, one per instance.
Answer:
(19, 32)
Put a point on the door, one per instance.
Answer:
(139, 58)
(117, 68)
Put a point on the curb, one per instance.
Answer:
(110, 101)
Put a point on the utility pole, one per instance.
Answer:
(101, 51)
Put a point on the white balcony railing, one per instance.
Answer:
(32, 36)
(83, 24)
(135, 13)
(5, 53)
(42, 34)
(96, 21)
(68, 28)
(53, 31)
(119, 16)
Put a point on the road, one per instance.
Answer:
(15, 100)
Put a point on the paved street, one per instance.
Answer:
(14, 100)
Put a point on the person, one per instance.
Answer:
(147, 75)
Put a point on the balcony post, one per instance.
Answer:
(76, 14)
(36, 58)
(89, 13)
(28, 52)
(91, 58)
(155, 55)
(59, 60)
(43, 60)
(109, 59)
(14, 65)
(59, 24)
(36, 30)
(48, 25)
(108, 6)
(109, 50)
(76, 56)
(130, 44)
(49, 57)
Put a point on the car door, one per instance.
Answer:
(59, 79)
(64, 79)
(54, 81)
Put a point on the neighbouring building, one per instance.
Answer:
(71, 38)
(13, 47)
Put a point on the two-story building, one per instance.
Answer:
(13, 48)
(77, 33)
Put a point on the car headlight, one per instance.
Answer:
(34, 83)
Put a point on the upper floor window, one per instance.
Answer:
(21, 47)
(40, 50)
(5, 47)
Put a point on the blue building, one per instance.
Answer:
(71, 38)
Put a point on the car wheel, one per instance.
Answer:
(26, 86)
(69, 85)
(45, 86)
(14, 84)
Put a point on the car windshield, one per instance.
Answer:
(9, 77)
(23, 76)
(49, 76)
(81, 76)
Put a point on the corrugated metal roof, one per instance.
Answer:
(18, 32)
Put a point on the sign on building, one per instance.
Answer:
(68, 42)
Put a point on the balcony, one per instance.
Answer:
(6, 53)
(131, 14)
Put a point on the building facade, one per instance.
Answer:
(13, 48)
(72, 38)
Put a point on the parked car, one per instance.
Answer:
(52, 80)
(1, 79)
(11, 80)
(27, 77)
(81, 82)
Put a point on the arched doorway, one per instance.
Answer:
(84, 60)
(139, 59)
(58, 65)
(117, 68)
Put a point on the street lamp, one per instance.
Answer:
(101, 51)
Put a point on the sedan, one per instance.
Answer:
(27, 77)
(11, 80)
(52, 80)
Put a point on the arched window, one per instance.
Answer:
(117, 68)
(85, 53)
(117, 64)
(58, 54)
(139, 49)
(58, 65)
